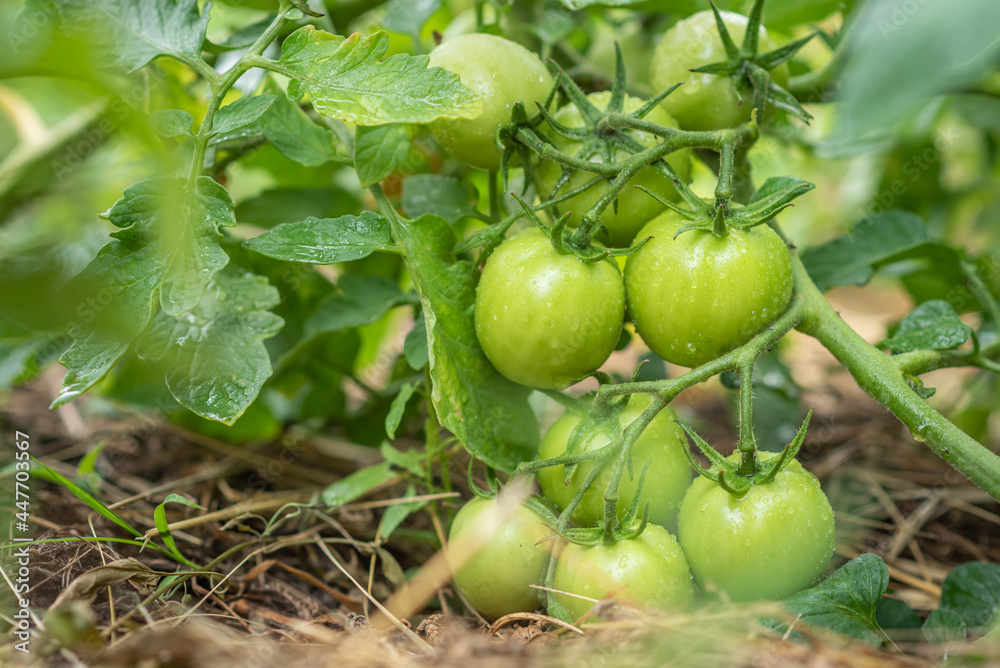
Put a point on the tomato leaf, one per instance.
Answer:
(172, 123)
(875, 241)
(443, 196)
(380, 150)
(361, 301)
(286, 205)
(130, 33)
(241, 113)
(294, 134)
(846, 601)
(345, 80)
(214, 356)
(325, 240)
(168, 246)
(972, 591)
(933, 325)
(489, 414)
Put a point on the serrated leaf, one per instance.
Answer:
(972, 591)
(131, 33)
(361, 301)
(852, 259)
(357, 484)
(933, 325)
(443, 196)
(378, 151)
(214, 356)
(181, 228)
(294, 134)
(168, 245)
(325, 240)
(172, 123)
(489, 414)
(944, 626)
(345, 80)
(398, 407)
(846, 601)
(241, 113)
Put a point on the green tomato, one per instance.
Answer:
(698, 296)
(502, 73)
(635, 207)
(661, 445)
(545, 319)
(705, 101)
(648, 571)
(497, 579)
(768, 544)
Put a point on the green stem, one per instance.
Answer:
(221, 85)
(880, 376)
(747, 444)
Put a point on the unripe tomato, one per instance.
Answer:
(501, 72)
(705, 101)
(660, 445)
(649, 571)
(635, 208)
(545, 319)
(497, 579)
(698, 296)
(768, 544)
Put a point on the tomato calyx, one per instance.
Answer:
(738, 478)
(564, 243)
(749, 70)
(775, 195)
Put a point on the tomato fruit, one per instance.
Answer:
(660, 445)
(705, 101)
(501, 72)
(545, 319)
(635, 207)
(648, 571)
(497, 579)
(771, 542)
(698, 296)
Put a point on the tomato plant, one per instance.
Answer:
(497, 579)
(544, 318)
(694, 296)
(648, 571)
(771, 541)
(659, 447)
(633, 207)
(501, 72)
(302, 257)
(705, 101)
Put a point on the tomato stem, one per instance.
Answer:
(882, 378)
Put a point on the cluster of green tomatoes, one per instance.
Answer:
(547, 316)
